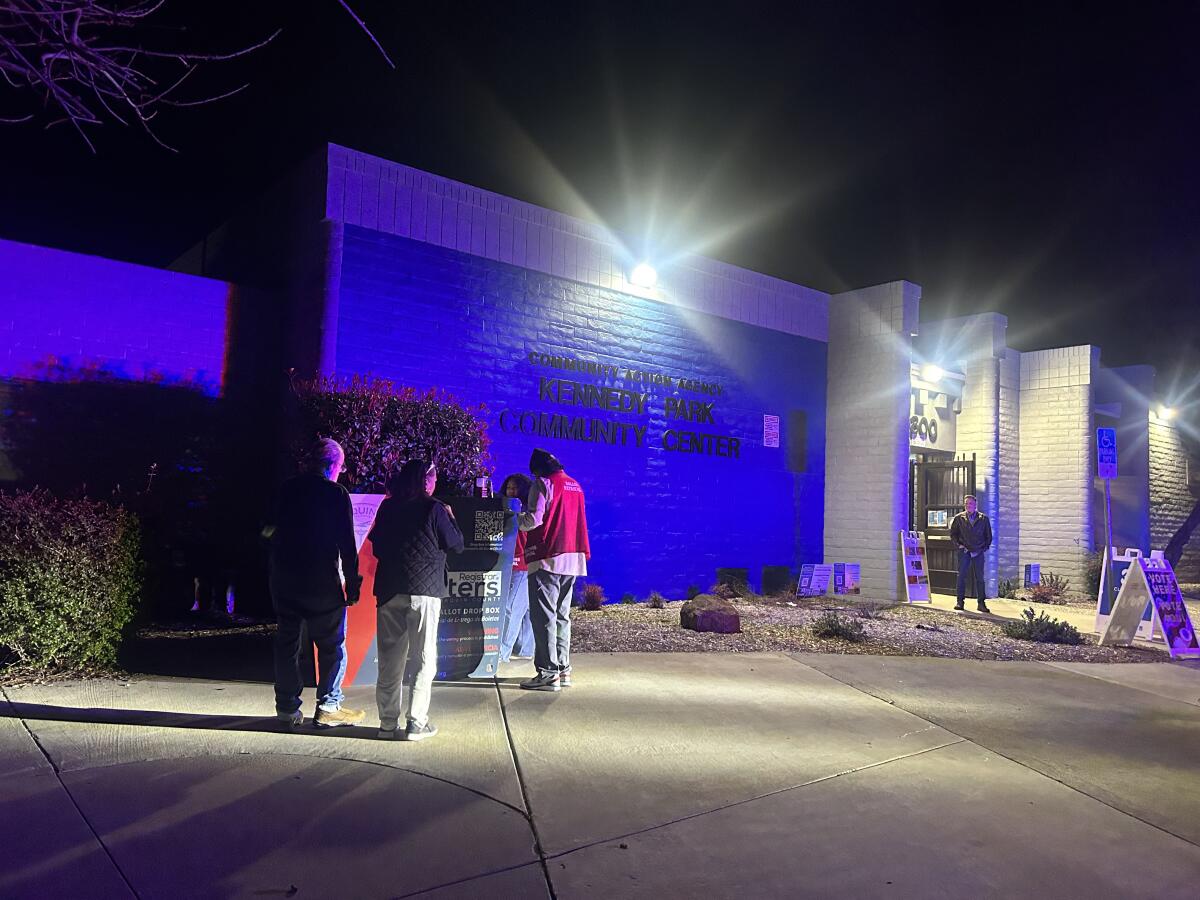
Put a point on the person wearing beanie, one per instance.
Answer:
(556, 552)
(312, 531)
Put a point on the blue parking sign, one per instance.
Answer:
(1106, 452)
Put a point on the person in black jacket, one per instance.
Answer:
(313, 528)
(411, 535)
(972, 535)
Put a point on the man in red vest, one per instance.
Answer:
(556, 551)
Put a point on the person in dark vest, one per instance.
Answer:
(556, 551)
(312, 529)
(972, 535)
(411, 536)
(517, 636)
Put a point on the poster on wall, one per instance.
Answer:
(770, 431)
(469, 627)
(914, 567)
(1151, 580)
(846, 578)
(814, 580)
(1121, 563)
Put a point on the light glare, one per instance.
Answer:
(932, 373)
(643, 275)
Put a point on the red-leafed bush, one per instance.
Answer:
(70, 577)
(381, 425)
(592, 596)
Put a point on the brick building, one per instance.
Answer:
(717, 418)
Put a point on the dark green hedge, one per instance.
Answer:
(70, 578)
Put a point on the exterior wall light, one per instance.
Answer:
(643, 275)
(1166, 413)
(931, 373)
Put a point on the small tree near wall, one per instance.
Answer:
(380, 425)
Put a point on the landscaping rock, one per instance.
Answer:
(708, 613)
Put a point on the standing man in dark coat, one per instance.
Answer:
(972, 535)
(312, 531)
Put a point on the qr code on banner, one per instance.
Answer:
(489, 526)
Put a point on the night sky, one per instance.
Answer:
(1038, 163)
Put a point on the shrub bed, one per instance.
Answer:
(831, 625)
(70, 578)
(1041, 628)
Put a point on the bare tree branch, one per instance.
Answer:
(66, 55)
(363, 26)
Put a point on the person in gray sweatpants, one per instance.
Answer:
(556, 551)
(411, 536)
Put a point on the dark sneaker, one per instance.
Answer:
(983, 608)
(415, 733)
(960, 607)
(291, 719)
(391, 734)
(332, 718)
(547, 682)
(564, 679)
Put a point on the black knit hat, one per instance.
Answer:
(543, 463)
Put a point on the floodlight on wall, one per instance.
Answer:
(931, 373)
(643, 275)
(1165, 413)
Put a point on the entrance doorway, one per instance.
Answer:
(938, 486)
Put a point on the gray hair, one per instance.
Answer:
(325, 454)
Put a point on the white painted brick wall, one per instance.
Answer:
(1170, 499)
(396, 199)
(987, 425)
(1007, 531)
(866, 438)
(1056, 457)
(978, 434)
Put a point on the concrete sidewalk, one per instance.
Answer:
(657, 775)
(1082, 617)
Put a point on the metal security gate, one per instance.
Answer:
(938, 488)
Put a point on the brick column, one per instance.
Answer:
(1057, 458)
(866, 438)
(987, 424)
(1170, 498)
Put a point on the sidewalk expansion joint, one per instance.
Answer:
(537, 838)
(775, 793)
(66, 790)
(1013, 760)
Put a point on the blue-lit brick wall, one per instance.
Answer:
(431, 317)
(64, 313)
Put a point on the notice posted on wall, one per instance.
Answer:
(770, 431)
(915, 566)
(814, 580)
(847, 578)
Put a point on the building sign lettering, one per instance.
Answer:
(630, 400)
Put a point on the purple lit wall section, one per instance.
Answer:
(429, 316)
(64, 313)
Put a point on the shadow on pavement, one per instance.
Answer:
(215, 657)
(159, 719)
